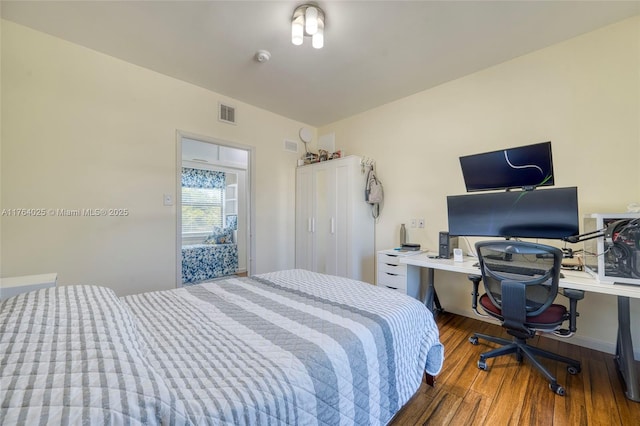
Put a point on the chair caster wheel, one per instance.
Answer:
(559, 390)
(473, 340)
(573, 370)
(482, 365)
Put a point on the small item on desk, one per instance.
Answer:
(574, 263)
(457, 255)
(410, 247)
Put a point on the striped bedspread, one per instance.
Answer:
(72, 356)
(290, 347)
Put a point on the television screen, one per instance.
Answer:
(543, 213)
(521, 167)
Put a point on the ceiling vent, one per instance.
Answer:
(227, 113)
(291, 146)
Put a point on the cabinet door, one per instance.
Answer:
(304, 218)
(324, 207)
(342, 235)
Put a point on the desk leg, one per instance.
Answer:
(432, 296)
(624, 350)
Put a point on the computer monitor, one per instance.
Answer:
(526, 166)
(543, 213)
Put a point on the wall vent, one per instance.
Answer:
(227, 113)
(291, 146)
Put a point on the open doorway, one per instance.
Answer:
(213, 208)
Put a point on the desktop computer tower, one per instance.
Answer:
(446, 244)
(613, 255)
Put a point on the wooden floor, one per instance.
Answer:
(512, 394)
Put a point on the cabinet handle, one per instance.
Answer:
(392, 288)
(393, 275)
(309, 225)
(391, 264)
(313, 224)
(333, 226)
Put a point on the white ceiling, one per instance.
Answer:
(375, 51)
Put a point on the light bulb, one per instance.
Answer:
(311, 20)
(317, 40)
(297, 31)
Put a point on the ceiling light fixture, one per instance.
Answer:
(308, 20)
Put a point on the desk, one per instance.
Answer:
(15, 285)
(572, 279)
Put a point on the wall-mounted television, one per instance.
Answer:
(526, 166)
(543, 213)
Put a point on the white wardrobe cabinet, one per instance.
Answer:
(334, 226)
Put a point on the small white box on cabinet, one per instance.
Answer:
(396, 276)
(12, 286)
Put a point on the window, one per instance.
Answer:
(202, 201)
(201, 210)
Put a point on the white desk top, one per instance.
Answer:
(572, 279)
(12, 286)
(28, 280)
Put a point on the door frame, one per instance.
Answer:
(250, 197)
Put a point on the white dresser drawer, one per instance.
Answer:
(388, 258)
(398, 276)
(392, 269)
(396, 282)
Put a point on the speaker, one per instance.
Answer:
(446, 244)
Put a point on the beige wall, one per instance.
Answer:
(583, 95)
(84, 130)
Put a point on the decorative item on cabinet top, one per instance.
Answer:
(312, 157)
(306, 135)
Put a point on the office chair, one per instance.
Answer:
(521, 283)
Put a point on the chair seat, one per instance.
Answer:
(553, 315)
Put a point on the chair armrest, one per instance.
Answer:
(574, 296)
(475, 279)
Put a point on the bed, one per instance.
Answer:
(289, 347)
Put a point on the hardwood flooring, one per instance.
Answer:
(512, 394)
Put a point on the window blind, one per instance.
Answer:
(201, 209)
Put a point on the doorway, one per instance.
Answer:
(213, 205)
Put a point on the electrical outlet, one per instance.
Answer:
(420, 223)
(413, 223)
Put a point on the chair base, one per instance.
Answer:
(520, 347)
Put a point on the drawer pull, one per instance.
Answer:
(392, 288)
(393, 275)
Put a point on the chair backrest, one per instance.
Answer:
(532, 269)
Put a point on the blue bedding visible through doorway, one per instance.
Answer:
(202, 262)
